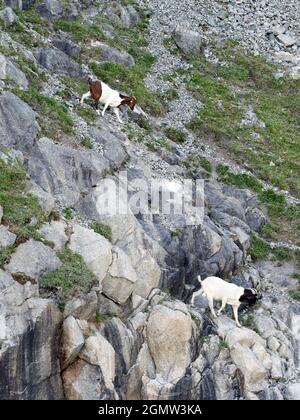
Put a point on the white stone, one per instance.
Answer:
(94, 248)
(72, 341)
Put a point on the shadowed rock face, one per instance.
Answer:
(58, 62)
(18, 126)
(30, 366)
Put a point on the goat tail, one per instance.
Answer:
(199, 279)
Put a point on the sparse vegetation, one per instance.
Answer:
(71, 279)
(87, 143)
(21, 211)
(81, 32)
(223, 344)
(227, 90)
(175, 135)
(102, 229)
(53, 117)
(194, 162)
(259, 249)
(284, 218)
(68, 213)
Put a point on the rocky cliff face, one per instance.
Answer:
(96, 306)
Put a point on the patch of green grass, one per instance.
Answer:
(175, 135)
(156, 144)
(81, 32)
(295, 294)
(20, 209)
(68, 213)
(238, 180)
(227, 90)
(282, 254)
(284, 217)
(145, 124)
(88, 114)
(100, 318)
(87, 142)
(296, 276)
(171, 46)
(71, 279)
(102, 229)
(194, 162)
(170, 94)
(223, 344)
(259, 249)
(53, 117)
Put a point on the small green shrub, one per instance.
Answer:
(87, 142)
(224, 344)
(259, 249)
(71, 279)
(102, 229)
(19, 207)
(53, 116)
(239, 180)
(295, 294)
(68, 213)
(175, 135)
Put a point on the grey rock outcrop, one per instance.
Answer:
(29, 333)
(31, 260)
(72, 341)
(8, 16)
(94, 248)
(18, 126)
(108, 53)
(7, 238)
(190, 42)
(55, 232)
(64, 172)
(56, 61)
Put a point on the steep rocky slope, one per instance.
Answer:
(95, 306)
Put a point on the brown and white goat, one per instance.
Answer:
(102, 93)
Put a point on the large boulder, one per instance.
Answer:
(18, 126)
(72, 341)
(19, 4)
(190, 42)
(111, 142)
(29, 334)
(248, 352)
(121, 277)
(124, 15)
(83, 381)
(55, 232)
(108, 53)
(8, 16)
(7, 238)
(99, 352)
(67, 46)
(94, 248)
(82, 307)
(169, 336)
(45, 199)
(56, 61)
(65, 173)
(50, 9)
(31, 260)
